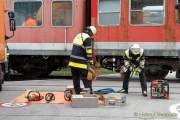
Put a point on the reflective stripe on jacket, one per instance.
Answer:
(81, 51)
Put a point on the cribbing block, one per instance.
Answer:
(84, 101)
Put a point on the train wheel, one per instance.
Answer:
(156, 71)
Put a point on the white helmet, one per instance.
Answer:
(135, 49)
(93, 29)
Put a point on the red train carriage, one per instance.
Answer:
(154, 24)
(45, 29)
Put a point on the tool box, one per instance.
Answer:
(84, 101)
(114, 99)
(159, 89)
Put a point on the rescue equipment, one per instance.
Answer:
(68, 94)
(34, 96)
(70, 91)
(84, 101)
(114, 99)
(159, 89)
(49, 97)
(93, 71)
(134, 70)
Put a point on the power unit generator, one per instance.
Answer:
(160, 89)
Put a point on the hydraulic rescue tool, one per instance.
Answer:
(34, 96)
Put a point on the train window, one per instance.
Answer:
(62, 13)
(147, 12)
(28, 13)
(177, 10)
(109, 11)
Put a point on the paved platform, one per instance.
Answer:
(137, 107)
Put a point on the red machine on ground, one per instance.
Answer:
(159, 89)
(41, 48)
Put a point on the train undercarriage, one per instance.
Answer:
(155, 67)
(37, 66)
(42, 66)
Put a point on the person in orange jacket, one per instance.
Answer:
(29, 22)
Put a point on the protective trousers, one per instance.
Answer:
(78, 74)
(142, 78)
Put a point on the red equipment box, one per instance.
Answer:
(160, 89)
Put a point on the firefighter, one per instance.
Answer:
(81, 58)
(133, 64)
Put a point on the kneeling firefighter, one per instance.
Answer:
(134, 64)
(81, 58)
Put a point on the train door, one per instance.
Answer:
(108, 17)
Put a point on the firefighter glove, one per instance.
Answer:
(91, 62)
(123, 69)
(132, 68)
(126, 63)
(137, 71)
(141, 64)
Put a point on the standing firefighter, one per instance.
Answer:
(81, 58)
(134, 64)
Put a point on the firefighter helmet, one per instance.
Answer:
(91, 30)
(135, 49)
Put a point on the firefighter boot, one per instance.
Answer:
(123, 91)
(144, 93)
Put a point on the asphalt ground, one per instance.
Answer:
(136, 107)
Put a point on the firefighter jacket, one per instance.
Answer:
(137, 60)
(81, 51)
